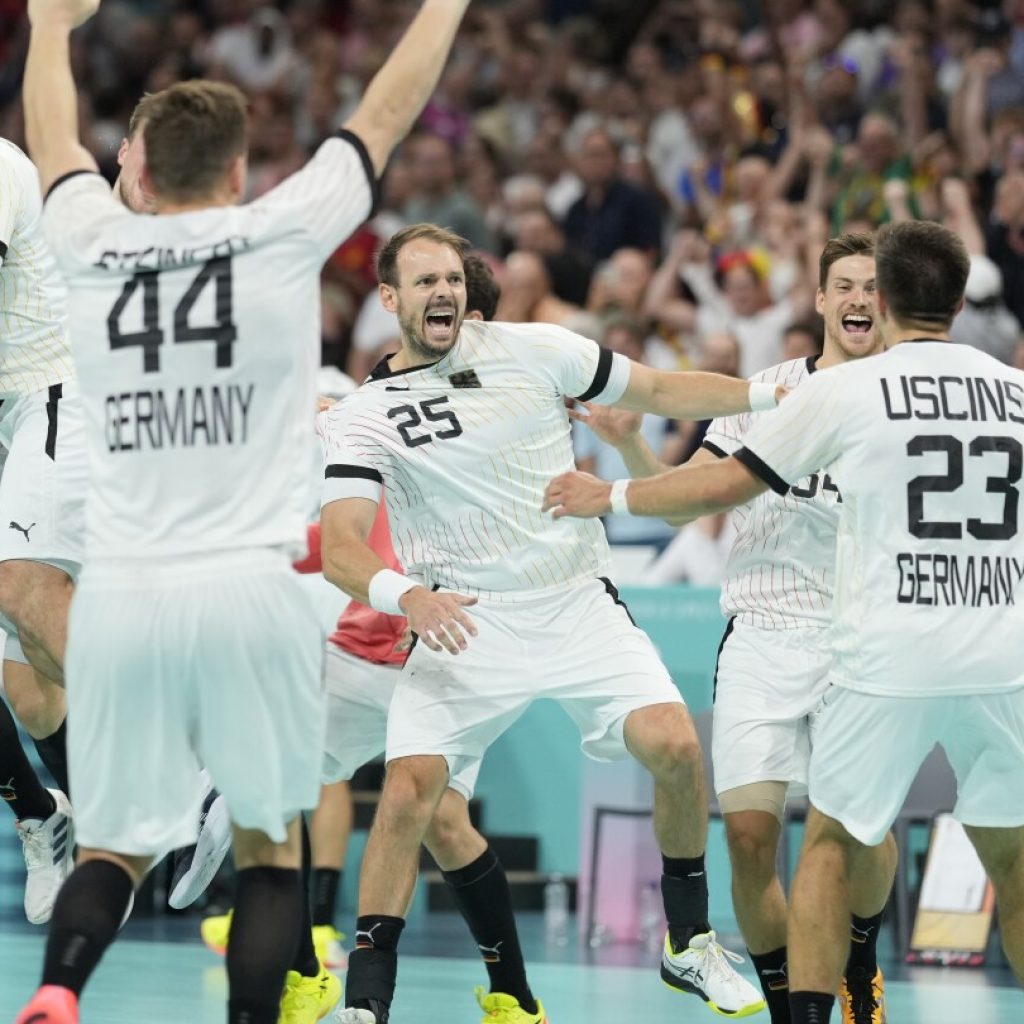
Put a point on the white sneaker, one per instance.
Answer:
(703, 968)
(196, 866)
(48, 847)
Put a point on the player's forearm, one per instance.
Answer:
(350, 564)
(400, 90)
(51, 104)
(640, 458)
(689, 492)
(698, 396)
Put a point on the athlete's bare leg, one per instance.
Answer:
(37, 702)
(1002, 852)
(330, 826)
(36, 597)
(413, 787)
(451, 838)
(663, 739)
(757, 895)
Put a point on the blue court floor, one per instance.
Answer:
(159, 973)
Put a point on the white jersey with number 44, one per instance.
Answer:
(196, 338)
(463, 449)
(34, 350)
(926, 445)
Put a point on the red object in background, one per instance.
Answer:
(363, 631)
(357, 256)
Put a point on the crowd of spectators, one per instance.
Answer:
(664, 169)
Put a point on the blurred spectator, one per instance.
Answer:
(526, 294)
(985, 322)
(698, 554)
(1005, 239)
(436, 195)
(612, 213)
(627, 336)
(759, 128)
(803, 340)
(538, 231)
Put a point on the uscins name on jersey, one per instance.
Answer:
(178, 419)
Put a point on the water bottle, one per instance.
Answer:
(650, 917)
(556, 911)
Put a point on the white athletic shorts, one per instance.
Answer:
(577, 646)
(44, 478)
(768, 684)
(867, 750)
(171, 664)
(358, 697)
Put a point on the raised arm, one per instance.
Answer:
(400, 90)
(48, 94)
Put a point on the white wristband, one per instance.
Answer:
(762, 396)
(620, 507)
(386, 587)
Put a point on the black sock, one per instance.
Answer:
(88, 912)
(305, 961)
(326, 882)
(261, 947)
(53, 752)
(811, 1007)
(483, 898)
(20, 787)
(774, 978)
(373, 964)
(864, 945)
(684, 890)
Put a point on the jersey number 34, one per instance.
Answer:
(214, 274)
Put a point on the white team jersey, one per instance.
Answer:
(926, 444)
(464, 449)
(781, 569)
(34, 351)
(197, 338)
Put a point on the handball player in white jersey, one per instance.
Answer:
(926, 445)
(196, 340)
(774, 660)
(459, 432)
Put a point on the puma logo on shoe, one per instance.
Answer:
(21, 529)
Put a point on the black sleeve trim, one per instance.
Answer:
(762, 470)
(364, 156)
(600, 381)
(67, 177)
(353, 472)
(714, 449)
(3, 250)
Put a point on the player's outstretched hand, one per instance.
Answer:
(578, 494)
(613, 426)
(437, 618)
(61, 12)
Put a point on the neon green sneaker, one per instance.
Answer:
(307, 1000)
(215, 932)
(500, 1008)
(329, 950)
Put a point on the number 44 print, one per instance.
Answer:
(222, 333)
